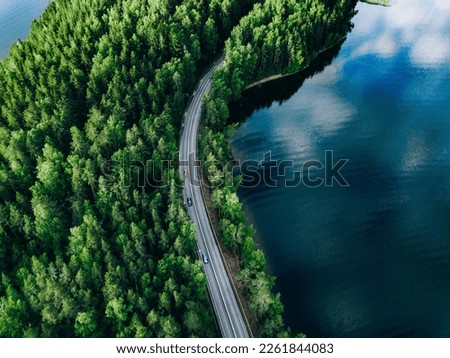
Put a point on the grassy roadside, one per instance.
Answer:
(231, 261)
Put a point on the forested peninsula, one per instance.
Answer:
(87, 250)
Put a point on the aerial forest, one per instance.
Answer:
(89, 246)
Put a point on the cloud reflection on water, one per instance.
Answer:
(414, 24)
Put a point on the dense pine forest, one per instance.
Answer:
(81, 253)
(86, 250)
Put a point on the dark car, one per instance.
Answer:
(205, 258)
(189, 201)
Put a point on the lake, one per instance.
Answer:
(15, 20)
(371, 259)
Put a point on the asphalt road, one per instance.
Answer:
(226, 308)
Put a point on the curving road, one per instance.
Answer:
(229, 316)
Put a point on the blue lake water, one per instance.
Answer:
(15, 20)
(371, 259)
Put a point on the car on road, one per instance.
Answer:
(205, 258)
(189, 201)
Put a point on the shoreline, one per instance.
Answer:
(231, 260)
(280, 75)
